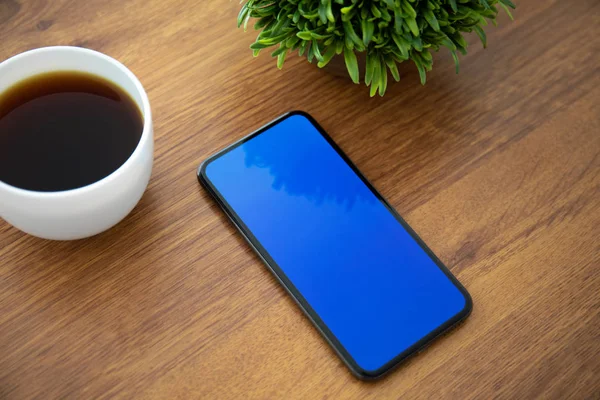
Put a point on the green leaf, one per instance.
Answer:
(346, 10)
(507, 11)
(259, 46)
(317, 36)
(244, 11)
(426, 55)
(310, 54)
(351, 64)
(421, 68)
(291, 41)
(391, 64)
(369, 68)
(302, 48)
(446, 41)
(432, 20)
(309, 15)
(398, 23)
(316, 50)
(263, 23)
(402, 44)
(384, 43)
(329, 12)
(409, 10)
(367, 31)
(304, 35)
(364, 12)
(385, 15)
(376, 78)
(323, 12)
(382, 80)
(481, 33)
(273, 40)
(412, 25)
(327, 57)
(246, 22)
(350, 33)
(375, 11)
(460, 42)
(281, 59)
(395, 54)
(508, 3)
(348, 42)
(453, 5)
(417, 43)
(456, 62)
(281, 49)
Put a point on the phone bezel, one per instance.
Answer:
(295, 293)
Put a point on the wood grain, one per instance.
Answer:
(498, 169)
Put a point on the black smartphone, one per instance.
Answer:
(364, 278)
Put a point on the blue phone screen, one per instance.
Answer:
(362, 273)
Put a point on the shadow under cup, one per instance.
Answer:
(97, 206)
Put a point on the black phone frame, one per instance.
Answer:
(295, 293)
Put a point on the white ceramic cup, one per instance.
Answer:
(85, 211)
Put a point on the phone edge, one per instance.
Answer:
(338, 348)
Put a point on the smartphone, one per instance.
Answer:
(364, 278)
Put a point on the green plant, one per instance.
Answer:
(389, 31)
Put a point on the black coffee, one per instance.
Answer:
(65, 130)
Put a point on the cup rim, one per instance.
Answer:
(147, 115)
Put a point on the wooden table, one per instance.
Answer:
(498, 169)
